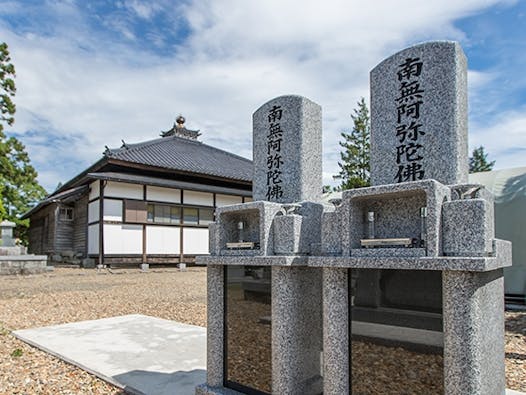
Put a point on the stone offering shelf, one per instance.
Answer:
(397, 211)
(471, 264)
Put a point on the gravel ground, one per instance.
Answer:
(377, 367)
(69, 295)
(249, 342)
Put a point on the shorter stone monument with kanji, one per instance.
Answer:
(395, 288)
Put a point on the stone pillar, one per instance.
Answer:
(474, 332)
(336, 321)
(296, 330)
(215, 325)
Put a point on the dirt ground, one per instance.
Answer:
(69, 295)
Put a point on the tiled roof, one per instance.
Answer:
(182, 154)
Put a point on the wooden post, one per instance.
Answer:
(181, 239)
(144, 257)
(86, 230)
(102, 184)
(55, 221)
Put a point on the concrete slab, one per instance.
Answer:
(141, 354)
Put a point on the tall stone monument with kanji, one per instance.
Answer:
(419, 116)
(397, 287)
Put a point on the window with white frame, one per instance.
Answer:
(65, 213)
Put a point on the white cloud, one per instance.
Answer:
(239, 54)
(478, 80)
(10, 7)
(504, 139)
(143, 9)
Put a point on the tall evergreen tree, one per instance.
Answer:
(478, 161)
(354, 165)
(3, 212)
(19, 187)
(7, 108)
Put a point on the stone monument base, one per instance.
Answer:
(14, 250)
(23, 264)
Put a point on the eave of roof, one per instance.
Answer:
(146, 180)
(54, 198)
(165, 170)
(80, 178)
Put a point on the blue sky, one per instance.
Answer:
(91, 73)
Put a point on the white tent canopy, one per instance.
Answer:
(509, 188)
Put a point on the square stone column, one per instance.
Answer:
(215, 276)
(474, 332)
(336, 329)
(296, 331)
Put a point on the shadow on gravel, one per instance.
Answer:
(516, 323)
(515, 355)
(141, 382)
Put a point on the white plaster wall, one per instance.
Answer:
(225, 200)
(163, 239)
(94, 190)
(123, 190)
(112, 210)
(93, 239)
(122, 239)
(198, 198)
(195, 241)
(161, 194)
(93, 211)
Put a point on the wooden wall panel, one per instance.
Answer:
(64, 230)
(80, 224)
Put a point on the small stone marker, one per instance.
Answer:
(419, 115)
(6, 228)
(287, 150)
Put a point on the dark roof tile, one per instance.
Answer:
(176, 153)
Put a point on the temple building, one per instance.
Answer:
(145, 203)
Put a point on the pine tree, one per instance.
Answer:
(3, 212)
(7, 108)
(354, 165)
(479, 161)
(19, 188)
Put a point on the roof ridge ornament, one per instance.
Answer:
(179, 130)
